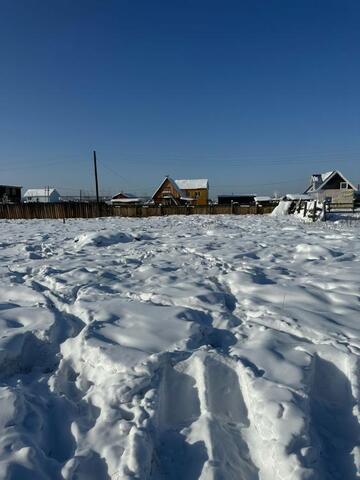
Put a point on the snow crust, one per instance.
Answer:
(193, 347)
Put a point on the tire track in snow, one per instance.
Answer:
(333, 425)
(200, 421)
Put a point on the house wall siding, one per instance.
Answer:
(200, 194)
(336, 195)
(166, 189)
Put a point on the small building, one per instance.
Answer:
(182, 192)
(42, 195)
(123, 198)
(10, 194)
(241, 199)
(265, 201)
(331, 186)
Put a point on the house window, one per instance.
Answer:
(343, 185)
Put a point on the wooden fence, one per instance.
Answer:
(93, 210)
(343, 207)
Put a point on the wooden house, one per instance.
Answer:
(182, 192)
(331, 186)
(10, 194)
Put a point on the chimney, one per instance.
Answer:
(315, 180)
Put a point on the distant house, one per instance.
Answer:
(10, 194)
(125, 199)
(42, 195)
(332, 186)
(196, 189)
(241, 199)
(265, 201)
(182, 192)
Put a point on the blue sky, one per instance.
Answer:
(254, 95)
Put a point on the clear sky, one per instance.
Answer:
(255, 95)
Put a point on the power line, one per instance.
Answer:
(114, 172)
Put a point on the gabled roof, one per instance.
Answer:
(192, 184)
(40, 192)
(173, 184)
(126, 195)
(126, 200)
(325, 178)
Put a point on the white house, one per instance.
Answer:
(331, 185)
(42, 195)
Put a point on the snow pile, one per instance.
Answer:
(102, 239)
(281, 209)
(180, 348)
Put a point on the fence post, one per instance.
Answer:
(305, 208)
(314, 211)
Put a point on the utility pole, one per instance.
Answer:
(96, 179)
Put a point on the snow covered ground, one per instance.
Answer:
(212, 348)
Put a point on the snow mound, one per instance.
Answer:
(102, 239)
(281, 209)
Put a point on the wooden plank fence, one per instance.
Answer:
(92, 210)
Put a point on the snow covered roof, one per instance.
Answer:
(263, 199)
(297, 196)
(192, 184)
(326, 175)
(126, 195)
(40, 192)
(324, 178)
(126, 200)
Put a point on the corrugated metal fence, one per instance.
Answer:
(92, 210)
